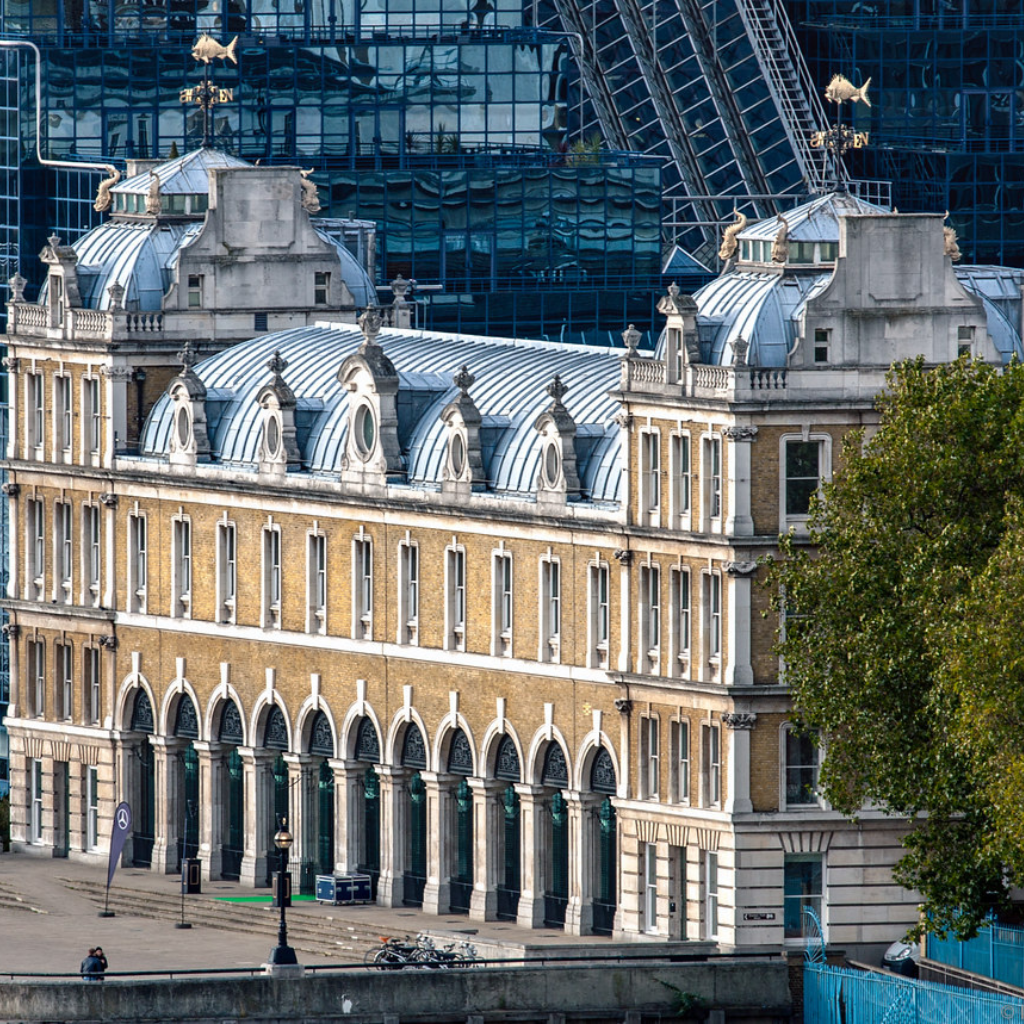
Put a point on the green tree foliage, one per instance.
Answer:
(904, 639)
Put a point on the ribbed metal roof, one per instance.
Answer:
(816, 221)
(765, 310)
(188, 174)
(509, 390)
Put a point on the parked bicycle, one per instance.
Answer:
(394, 954)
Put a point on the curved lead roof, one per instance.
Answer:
(509, 391)
(766, 308)
(141, 255)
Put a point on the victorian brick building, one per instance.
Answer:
(481, 616)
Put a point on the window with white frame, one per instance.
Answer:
(62, 412)
(138, 571)
(35, 419)
(713, 617)
(35, 801)
(92, 804)
(181, 568)
(408, 592)
(362, 588)
(650, 618)
(800, 763)
(711, 757)
(316, 583)
(227, 571)
(36, 669)
(92, 422)
(550, 609)
(600, 619)
(63, 667)
(681, 628)
(964, 341)
(649, 858)
(91, 564)
(682, 479)
(272, 581)
(806, 464)
(650, 475)
(501, 573)
(803, 884)
(62, 530)
(712, 480)
(455, 599)
(710, 894)
(35, 521)
(195, 291)
(650, 757)
(680, 751)
(91, 691)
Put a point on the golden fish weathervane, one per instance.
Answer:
(207, 48)
(841, 89)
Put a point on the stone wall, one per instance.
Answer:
(747, 991)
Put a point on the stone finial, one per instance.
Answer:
(370, 324)
(276, 364)
(153, 201)
(54, 242)
(631, 337)
(310, 195)
(739, 351)
(557, 389)
(17, 286)
(399, 287)
(187, 356)
(464, 380)
(673, 293)
(116, 292)
(104, 200)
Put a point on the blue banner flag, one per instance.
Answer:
(122, 829)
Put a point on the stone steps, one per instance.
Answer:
(322, 934)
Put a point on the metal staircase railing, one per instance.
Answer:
(786, 73)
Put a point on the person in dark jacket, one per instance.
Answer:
(92, 967)
(102, 957)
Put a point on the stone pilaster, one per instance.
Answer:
(579, 914)
(738, 670)
(534, 856)
(257, 769)
(740, 726)
(394, 835)
(213, 812)
(738, 520)
(488, 824)
(440, 828)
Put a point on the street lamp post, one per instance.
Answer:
(282, 953)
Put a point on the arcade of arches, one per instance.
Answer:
(433, 821)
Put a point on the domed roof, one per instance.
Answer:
(764, 302)
(140, 251)
(509, 390)
(816, 221)
(188, 174)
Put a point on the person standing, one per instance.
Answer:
(92, 967)
(102, 958)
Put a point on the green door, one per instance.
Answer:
(325, 821)
(462, 882)
(508, 891)
(231, 853)
(416, 876)
(371, 828)
(145, 819)
(189, 845)
(556, 899)
(607, 869)
(280, 810)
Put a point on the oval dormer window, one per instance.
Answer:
(366, 430)
(551, 464)
(184, 427)
(457, 449)
(273, 436)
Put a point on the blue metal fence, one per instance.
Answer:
(996, 952)
(841, 995)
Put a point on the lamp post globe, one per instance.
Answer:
(282, 953)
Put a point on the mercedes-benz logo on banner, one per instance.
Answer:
(124, 817)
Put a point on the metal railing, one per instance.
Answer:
(996, 952)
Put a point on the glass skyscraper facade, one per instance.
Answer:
(450, 125)
(947, 117)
